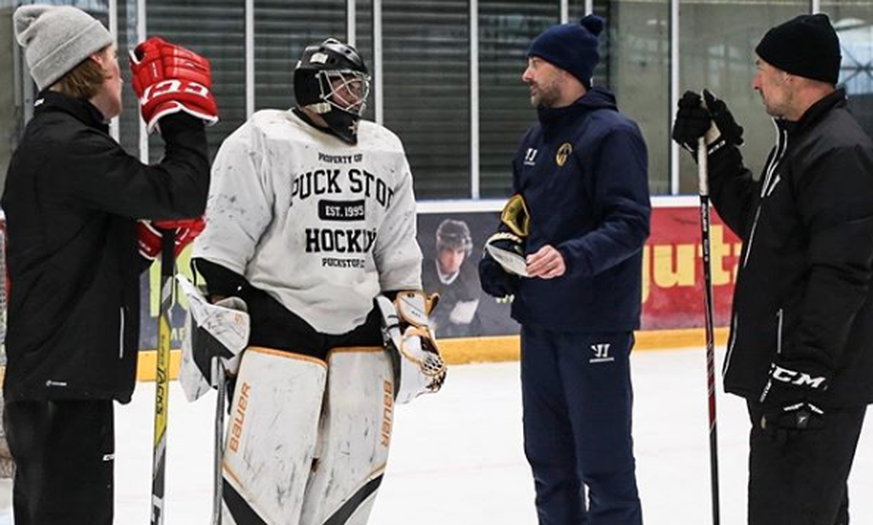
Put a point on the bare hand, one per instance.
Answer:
(546, 263)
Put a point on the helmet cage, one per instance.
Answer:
(345, 90)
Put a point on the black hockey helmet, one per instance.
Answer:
(454, 235)
(332, 80)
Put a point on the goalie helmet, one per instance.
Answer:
(332, 80)
(454, 235)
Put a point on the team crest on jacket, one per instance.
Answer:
(563, 153)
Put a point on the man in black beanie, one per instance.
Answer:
(801, 345)
(580, 218)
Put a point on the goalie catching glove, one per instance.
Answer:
(213, 332)
(507, 245)
(168, 79)
(504, 257)
(508, 250)
(418, 367)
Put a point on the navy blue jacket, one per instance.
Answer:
(583, 172)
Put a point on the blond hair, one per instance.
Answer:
(83, 81)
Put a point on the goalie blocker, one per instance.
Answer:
(214, 331)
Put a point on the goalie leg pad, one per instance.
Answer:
(355, 435)
(271, 436)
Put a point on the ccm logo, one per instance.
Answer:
(174, 86)
(796, 378)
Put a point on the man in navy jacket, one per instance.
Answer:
(582, 175)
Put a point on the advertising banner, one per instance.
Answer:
(451, 242)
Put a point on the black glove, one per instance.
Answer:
(726, 126)
(692, 121)
(792, 398)
(495, 281)
(712, 120)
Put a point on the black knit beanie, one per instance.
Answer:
(806, 46)
(571, 47)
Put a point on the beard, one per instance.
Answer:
(544, 95)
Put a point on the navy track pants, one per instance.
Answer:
(577, 400)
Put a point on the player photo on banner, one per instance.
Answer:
(452, 246)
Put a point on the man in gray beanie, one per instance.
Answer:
(57, 39)
(78, 209)
(801, 344)
(581, 217)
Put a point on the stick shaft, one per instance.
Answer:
(219, 444)
(162, 379)
(708, 314)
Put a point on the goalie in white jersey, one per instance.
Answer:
(310, 219)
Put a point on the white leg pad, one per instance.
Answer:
(271, 436)
(355, 435)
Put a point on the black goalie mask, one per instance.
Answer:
(332, 80)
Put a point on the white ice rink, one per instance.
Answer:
(457, 457)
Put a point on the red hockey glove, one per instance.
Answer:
(149, 238)
(168, 79)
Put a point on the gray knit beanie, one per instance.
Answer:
(56, 39)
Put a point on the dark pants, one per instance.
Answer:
(802, 480)
(64, 456)
(577, 398)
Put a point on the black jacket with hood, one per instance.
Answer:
(71, 200)
(803, 289)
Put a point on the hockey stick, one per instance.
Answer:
(219, 443)
(162, 378)
(708, 310)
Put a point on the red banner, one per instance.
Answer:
(673, 269)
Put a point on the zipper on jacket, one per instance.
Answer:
(779, 317)
(121, 334)
(766, 187)
(751, 236)
(733, 340)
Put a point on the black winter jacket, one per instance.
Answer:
(71, 200)
(804, 287)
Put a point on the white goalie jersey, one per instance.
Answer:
(320, 225)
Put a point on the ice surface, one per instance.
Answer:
(457, 456)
